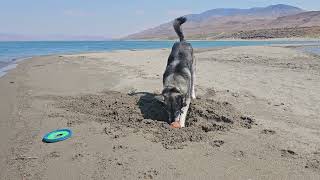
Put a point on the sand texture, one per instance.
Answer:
(256, 117)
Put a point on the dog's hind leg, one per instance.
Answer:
(184, 113)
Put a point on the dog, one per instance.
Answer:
(179, 78)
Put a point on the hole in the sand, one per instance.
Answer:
(151, 106)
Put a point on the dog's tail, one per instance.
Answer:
(177, 26)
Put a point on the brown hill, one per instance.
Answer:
(294, 32)
(305, 19)
(221, 26)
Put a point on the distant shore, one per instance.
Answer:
(229, 39)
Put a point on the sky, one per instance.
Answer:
(110, 18)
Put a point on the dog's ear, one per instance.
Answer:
(165, 93)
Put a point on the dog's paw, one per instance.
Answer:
(176, 124)
(194, 96)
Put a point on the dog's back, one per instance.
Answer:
(177, 73)
(178, 70)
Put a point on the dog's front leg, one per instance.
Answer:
(193, 94)
(184, 113)
(193, 79)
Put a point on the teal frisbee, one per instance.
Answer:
(57, 135)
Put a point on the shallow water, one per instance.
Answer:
(312, 49)
(11, 51)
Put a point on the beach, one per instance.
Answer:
(256, 116)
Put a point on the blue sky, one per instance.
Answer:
(110, 18)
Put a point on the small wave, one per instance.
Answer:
(5, 67)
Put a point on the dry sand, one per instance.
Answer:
(257, 117)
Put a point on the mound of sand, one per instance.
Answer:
(143, 112)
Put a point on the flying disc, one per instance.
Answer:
(57, 135)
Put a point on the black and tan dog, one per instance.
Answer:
(179, 78)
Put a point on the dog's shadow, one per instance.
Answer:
(151, 106)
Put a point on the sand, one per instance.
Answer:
(256, 117)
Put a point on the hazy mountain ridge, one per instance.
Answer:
(273, 10)
(213, 23)
(22, 37)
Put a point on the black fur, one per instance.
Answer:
(178, 76)
(177, 26)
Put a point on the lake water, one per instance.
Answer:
(11, 51)
(312, 49)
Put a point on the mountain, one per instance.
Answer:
(306, 24)
(21, 37)
(10, 37)
(305, 19)
(270, 11)
(220, 21)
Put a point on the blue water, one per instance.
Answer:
(312, 49)
(11, 51)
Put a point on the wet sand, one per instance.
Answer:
(256, 117)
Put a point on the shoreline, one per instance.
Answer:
(273, 39)
(11, 65)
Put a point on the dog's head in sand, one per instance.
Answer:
(174, 101)
(178, 78)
